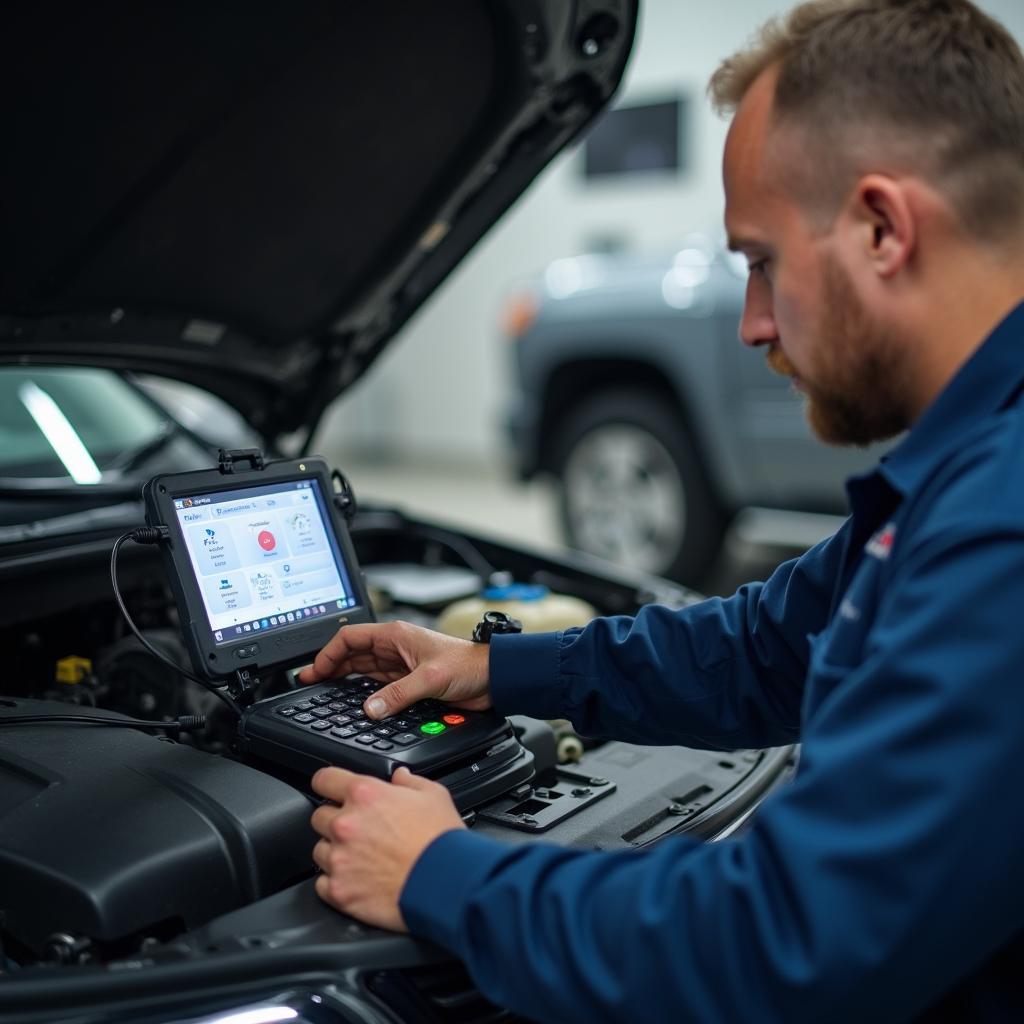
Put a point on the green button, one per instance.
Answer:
(432, 728)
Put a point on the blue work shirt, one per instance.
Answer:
(887, 881)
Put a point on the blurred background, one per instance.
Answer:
(578, 379)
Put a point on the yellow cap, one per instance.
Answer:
(73, 669)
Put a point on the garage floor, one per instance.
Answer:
(487, 498)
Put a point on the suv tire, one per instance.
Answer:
(632, 489)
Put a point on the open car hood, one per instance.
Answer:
(254, 198)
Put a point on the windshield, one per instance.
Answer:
(71, 422)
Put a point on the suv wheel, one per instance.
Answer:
(632, 489)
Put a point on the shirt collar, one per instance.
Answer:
(988, 379)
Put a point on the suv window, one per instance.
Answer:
(70, 422)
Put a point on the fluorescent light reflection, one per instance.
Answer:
(573, 274)
(62, 437)
(691, 268)
(264, 1015)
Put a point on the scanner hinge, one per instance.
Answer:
(227, 457)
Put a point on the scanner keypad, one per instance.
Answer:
(337, 712)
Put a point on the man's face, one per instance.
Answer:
(801, 302)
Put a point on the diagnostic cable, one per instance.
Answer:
(184, 723)
(157, 535)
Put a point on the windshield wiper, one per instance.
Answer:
(132, 458)
(65, 489)
(107, 517)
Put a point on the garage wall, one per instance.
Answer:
(441, 389)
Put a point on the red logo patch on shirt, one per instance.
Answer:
(880, 545)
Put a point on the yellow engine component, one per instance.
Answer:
(73, 670)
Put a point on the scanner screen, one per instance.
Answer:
(265, 558)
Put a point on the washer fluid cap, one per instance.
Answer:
(516, 592)
(535, 607)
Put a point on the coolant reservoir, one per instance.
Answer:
(533, 605)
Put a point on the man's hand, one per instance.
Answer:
(373, 833)
(417, 662)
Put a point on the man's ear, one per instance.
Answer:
(884, 221)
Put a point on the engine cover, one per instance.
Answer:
(107, 832)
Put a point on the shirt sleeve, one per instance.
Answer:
(721, 674)
(887, 871)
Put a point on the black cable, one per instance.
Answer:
(153, 535)
(459, 545)
(470, 555)
(184, 723)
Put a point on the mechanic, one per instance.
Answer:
(874, 177)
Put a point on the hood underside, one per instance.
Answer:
(255, 197)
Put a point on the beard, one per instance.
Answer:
(854, 384)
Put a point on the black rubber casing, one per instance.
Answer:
(286, 647)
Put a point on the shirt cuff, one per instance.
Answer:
(525, 674)
(445, 877)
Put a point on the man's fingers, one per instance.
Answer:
(328, 661)
(349, 641)
(403, 777)
(321, 819)
(333, 783)
(367, 647)
(322, 855)
(417, 685)
(322, 884)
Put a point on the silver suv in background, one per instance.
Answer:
(635, 394)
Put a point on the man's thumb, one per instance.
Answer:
(391, 699)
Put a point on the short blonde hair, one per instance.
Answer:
(936, 85)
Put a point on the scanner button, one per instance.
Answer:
(405, 738)
(321, 726)
(432, 728)
(453, 719)
(244, 653)
(304, 717)
(288, 710)
(383, 745)
(367, 738)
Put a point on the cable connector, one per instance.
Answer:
(154, 535)
(190, 723)
(150, 534)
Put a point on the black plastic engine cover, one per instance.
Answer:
(107, 832)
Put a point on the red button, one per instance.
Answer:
(453, 719)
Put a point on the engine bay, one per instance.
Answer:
(121, 842)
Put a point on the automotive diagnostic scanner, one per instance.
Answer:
(264, 572)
